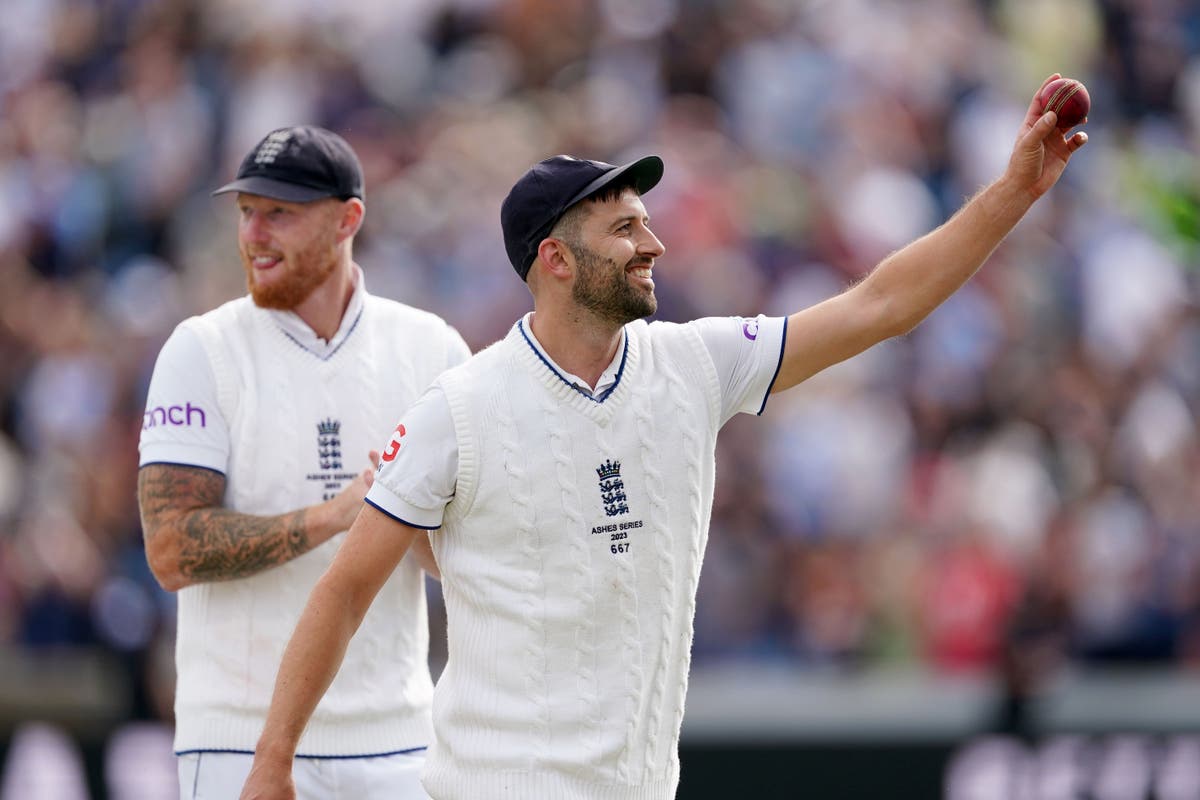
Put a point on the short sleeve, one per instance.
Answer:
(418, 468)
(747, 353)
(182, 423)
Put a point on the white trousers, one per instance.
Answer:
(220, 776)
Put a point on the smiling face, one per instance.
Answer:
(614, 252)
(287, 249)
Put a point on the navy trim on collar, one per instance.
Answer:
(561, 377)
(334, 351)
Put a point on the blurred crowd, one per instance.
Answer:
(1013, 485)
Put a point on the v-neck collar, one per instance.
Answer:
(561, 383)
(296, 329)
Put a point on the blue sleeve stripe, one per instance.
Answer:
(779, 366)
(401, 520)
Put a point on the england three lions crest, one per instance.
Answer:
(329, 444)
(612, 489)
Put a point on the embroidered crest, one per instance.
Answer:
(329, 443)
(272, 146)
(612, 488)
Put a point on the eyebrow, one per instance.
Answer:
(619, 221)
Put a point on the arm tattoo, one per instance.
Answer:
(214, 543)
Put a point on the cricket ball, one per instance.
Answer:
(1068, 98)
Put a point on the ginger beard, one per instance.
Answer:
(604, 288)
(305, 270)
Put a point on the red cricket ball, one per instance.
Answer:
(1068, 98)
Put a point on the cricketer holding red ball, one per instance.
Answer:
(571, 516)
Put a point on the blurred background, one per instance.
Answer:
(964, 564)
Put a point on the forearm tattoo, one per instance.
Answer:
(214, 543)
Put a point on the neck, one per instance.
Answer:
(579, 343)
(324, 308)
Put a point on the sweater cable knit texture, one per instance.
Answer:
(692, 446)
(232, 633)
(664, 562)
(524, 519)
(584, 579)
(570, 608)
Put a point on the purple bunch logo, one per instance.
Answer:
(173, 415)
(750, 328)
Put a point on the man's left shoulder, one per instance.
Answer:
(654, 328)
(663, 332)
(674, 341)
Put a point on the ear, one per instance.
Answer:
(558, 259)
(351, 219)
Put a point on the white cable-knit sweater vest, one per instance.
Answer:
(570, 556)
(300, 429)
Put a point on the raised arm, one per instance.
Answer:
(190, 538)
(372, 549)
(910, 283)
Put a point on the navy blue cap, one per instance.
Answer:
(550, 187)
(299, 164)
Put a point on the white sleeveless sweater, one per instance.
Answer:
(300, 429)
(570, 556)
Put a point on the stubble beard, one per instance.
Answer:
(604, 289)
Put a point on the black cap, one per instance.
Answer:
(299, 164)
(550, 187)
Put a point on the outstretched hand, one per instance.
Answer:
(1042, 150)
